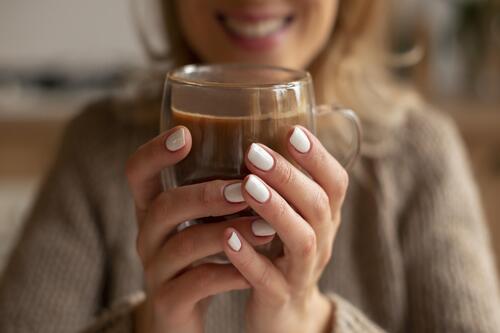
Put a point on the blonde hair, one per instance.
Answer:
(351, 70)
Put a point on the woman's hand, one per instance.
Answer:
(175, 290)
(306, 214)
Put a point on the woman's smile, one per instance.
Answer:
(289, 33)
(255, 29)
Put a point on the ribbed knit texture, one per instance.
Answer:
(412, 253)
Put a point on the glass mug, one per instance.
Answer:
(228, 107)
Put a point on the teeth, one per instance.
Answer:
(255, 29)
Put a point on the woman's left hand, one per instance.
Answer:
(305, 213)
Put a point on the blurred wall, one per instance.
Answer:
(77, 36)
(68, 32)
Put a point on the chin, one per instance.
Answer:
(274, 60)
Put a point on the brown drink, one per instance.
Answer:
(228, 107)
(220, 142)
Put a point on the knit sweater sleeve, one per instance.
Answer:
(54, 281)
(449, 266)
(56, 270)
(348, 319)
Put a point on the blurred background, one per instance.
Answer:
(56, 55)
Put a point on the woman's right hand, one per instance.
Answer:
(175, 290)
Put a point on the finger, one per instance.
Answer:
(195, 243)
(269, 283)
(177, 299)
(172, 207)
(310, 154)
(144, 166)
(300, 191)
(298, 237)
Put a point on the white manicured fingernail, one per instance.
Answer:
(176, 140)
(300, 141)
(260, 157)
(234, 242)
(233, 194)
(256, 188)
(262, 228)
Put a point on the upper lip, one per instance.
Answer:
(253, 14)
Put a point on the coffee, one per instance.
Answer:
(220, 142)
(228, 107)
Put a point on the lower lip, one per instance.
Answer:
(261, 43)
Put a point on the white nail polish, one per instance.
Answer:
(256, 188)
(262, 228)
(260, 157)
(300, 141)
(176, 140)
(234, 242)
(233, 194)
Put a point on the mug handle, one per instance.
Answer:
(341, 138)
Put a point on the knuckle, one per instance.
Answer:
(246, 263)
(281, 296)
(325, 257)
(160, 207)
(336, 221)
(209, 193)
(204, 198)
(281, 210)
(204, 276)
(321, 204)
(264, 279)
(320, 161)
(344, 179)
(183, 245)
(342, 182)
(286, 173)
(308, 248)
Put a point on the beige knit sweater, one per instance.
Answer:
(412, 253)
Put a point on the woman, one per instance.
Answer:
(411, 255)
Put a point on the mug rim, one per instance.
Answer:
(178, 76)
